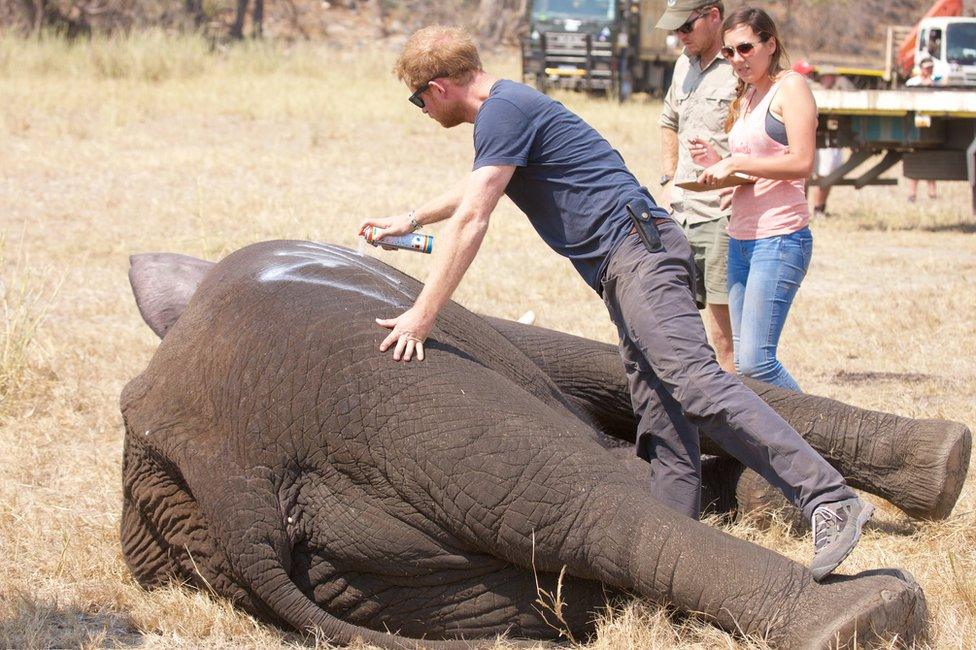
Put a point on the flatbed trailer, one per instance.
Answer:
(931, 131)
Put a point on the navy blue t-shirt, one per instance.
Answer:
(568, 180)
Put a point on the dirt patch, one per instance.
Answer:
(872, 376)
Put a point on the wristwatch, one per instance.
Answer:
(414, 224)
(665, 179)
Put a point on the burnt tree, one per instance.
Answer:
(257, 19)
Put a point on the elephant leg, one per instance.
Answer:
(918, 465)
(612, 534)
(569, 503)
(759, 502)
(719, 479)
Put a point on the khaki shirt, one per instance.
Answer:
(696, 105)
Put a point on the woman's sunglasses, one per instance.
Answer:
(744, 50)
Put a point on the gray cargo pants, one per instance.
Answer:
(677, 387)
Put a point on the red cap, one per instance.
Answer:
(803, 67)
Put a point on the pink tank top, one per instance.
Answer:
(767, 207)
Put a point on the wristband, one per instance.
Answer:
(414, 224)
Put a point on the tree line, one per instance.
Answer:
(843, 26)
(495, 21)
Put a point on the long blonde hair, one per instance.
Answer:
(764, 27)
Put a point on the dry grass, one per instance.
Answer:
(147, 144)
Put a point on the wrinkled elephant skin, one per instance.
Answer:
(272, 454)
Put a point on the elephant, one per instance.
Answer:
(275, 457)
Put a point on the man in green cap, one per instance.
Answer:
(696, 106)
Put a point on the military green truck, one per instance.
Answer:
(606, 46)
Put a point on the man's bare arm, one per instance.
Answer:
(669, 151)
(434, 210)
(459, 244)
(669, 164)
(443, 206)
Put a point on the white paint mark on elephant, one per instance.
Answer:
(376, 268)
(287, 273)
(307, 255)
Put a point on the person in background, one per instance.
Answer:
(924, 78)
(577, 192)
(771, 244)
(696, 105)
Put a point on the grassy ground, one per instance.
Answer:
(153, 145)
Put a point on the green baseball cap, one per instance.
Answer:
(678, 13)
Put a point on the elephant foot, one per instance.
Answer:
(932, 486)
(862, 610)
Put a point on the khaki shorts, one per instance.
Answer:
(710, 244)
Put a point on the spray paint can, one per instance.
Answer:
(410, 242)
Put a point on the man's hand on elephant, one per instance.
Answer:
(410, 330)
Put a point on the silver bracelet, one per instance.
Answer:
(414, 224)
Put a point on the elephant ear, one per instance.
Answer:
(163, 284)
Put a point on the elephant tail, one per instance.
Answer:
(163, 284)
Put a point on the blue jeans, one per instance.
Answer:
(764, 275)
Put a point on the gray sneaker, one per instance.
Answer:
(836, 530)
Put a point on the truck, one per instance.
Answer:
(942, 34)
(931, 131)
(950, 42)
(606, 46)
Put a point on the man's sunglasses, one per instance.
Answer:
(744, 50)
(416, 98)
(690, 25)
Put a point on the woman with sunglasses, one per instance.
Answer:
(772, 125)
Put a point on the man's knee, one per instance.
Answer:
(702, 392)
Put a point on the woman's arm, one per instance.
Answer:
(800, 118)
(801, 131)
